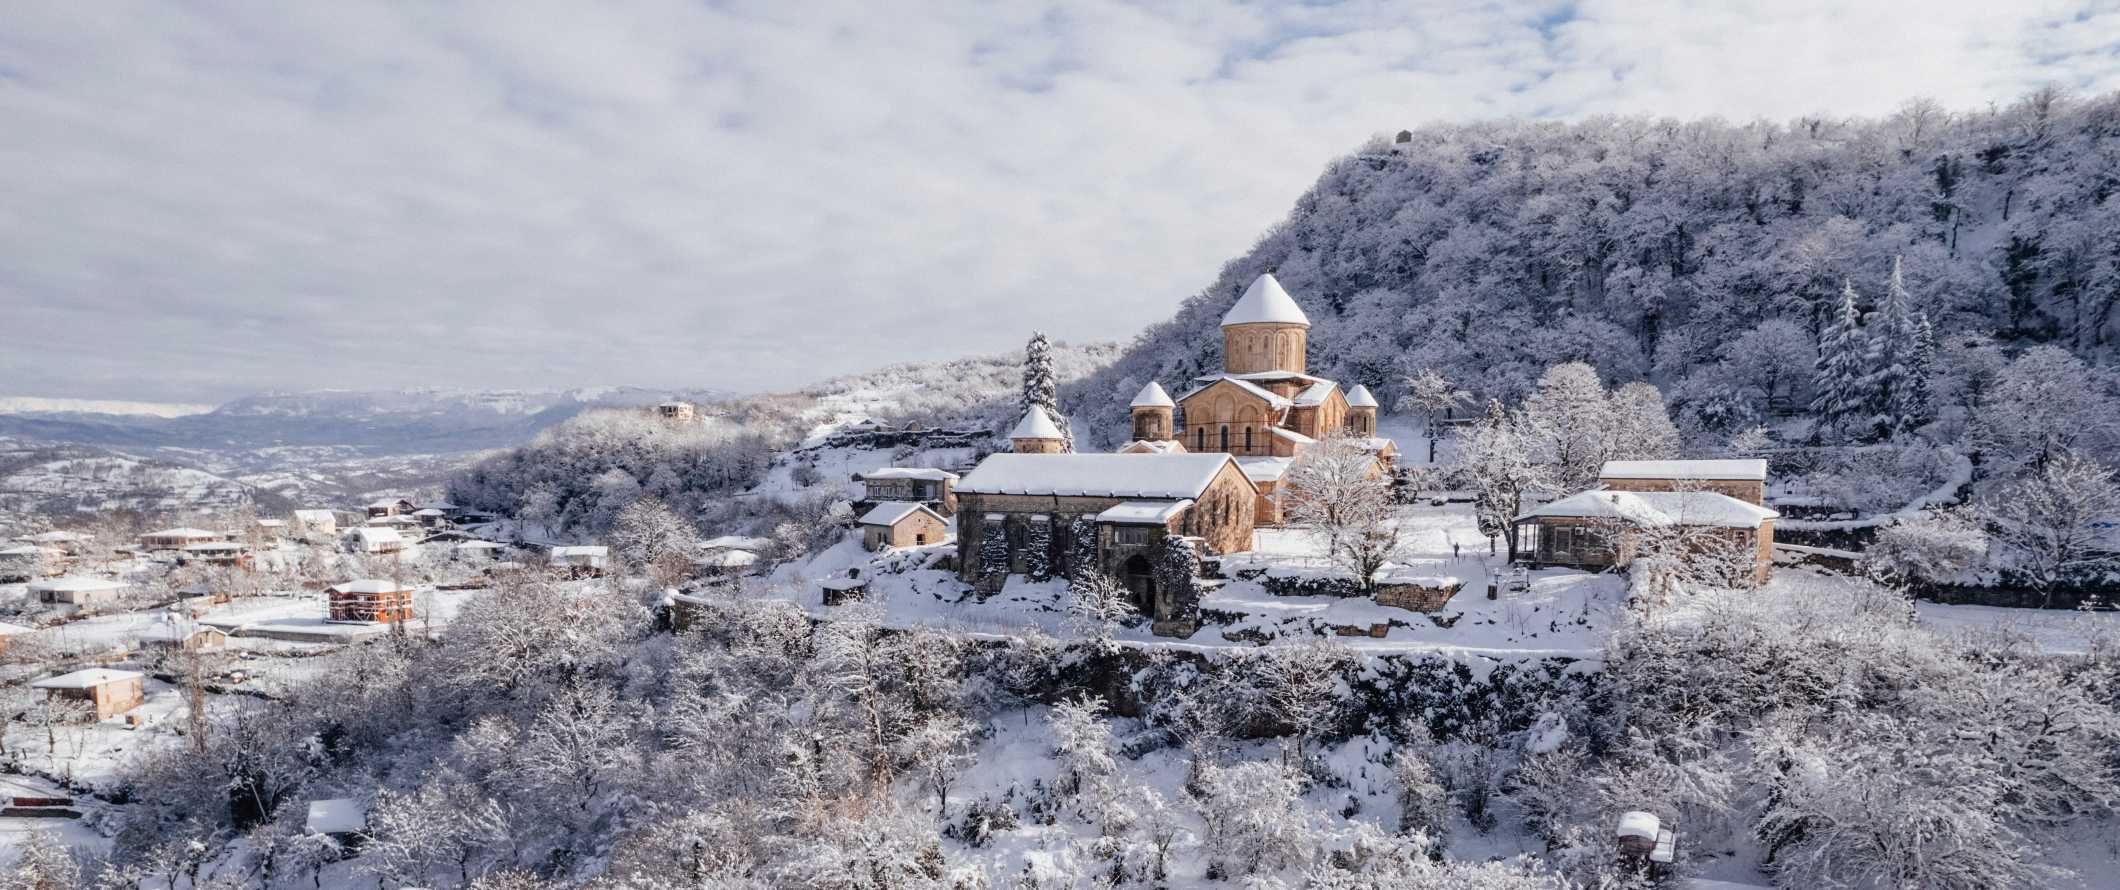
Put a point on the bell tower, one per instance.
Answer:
(1152, 411)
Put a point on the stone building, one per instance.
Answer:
(937, 489)
(902, 524)
(1584, 530)
(1027, 514)
(1264, 408)
(1036, 433)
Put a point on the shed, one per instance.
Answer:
(902, 524)
(480, 549)
(316, 523)
(112, 692)
(581, 558)
(77, 590)
(184, 637)
(839, 591)
(728, 562)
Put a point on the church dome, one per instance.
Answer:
(1265, 302)
(1153, 396)
(1360, 397)
(1036, 424)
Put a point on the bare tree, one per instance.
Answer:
(1338, 491)
(2045, 520)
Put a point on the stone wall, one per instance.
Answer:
(1415, 598)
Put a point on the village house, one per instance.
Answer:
(376, 540)
(272, 528)
(902, 524)
(920, 485)
(431, 517)
(1264, 408)
(108, 692)
(1017, 512)
(577, 560)
(171, 636)
(677, 411)
(215, 553)
(69, 543)
(1589, 530)
(371, 601)
(731, 554)
(77, 590)
(8, 633)
(177, 538)
(390, 507)
(316, 525)
(480, 550)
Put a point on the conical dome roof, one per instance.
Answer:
(1360, 397)
(1036, 424)
(1265, 302)
(1153, 396)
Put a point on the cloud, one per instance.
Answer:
(202, 201)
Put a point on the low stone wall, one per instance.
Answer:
(1414, 598)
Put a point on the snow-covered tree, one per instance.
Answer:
(1302, 685)
(2045, 402)
(1842, 393)
(1503, 467)
(1337, 491)
(1893, 335)
(649, 535)
(1432, 394)
(1097, 606)
(1255, 818)
(1041, 388)
(1931, 548)
(2047, 521)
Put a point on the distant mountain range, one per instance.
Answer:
(376, 422)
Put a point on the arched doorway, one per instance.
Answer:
(1140, 578)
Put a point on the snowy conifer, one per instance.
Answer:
(1889, 356)
(1041, 388)
(1840, 385)
(1914, 400)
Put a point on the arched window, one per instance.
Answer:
(1200, 439)
(1225, 437)
(1247, 438)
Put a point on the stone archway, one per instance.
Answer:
(1140, 578)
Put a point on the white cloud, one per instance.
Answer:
(201, 202)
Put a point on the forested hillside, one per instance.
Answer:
(1704, 256)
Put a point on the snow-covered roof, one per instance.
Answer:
(1153, 396)
(212, 547)
(369, 585)
(271, 523)
(480, 545)
(1265, 469)
(1361, 397)
(1373, 444)
(1241, 383)
(338, 815)
(1036, 424)
(1265, 302)
(85, 679)
(316, 516)
(442, 505)
(21, 550)
(386, 503)
(182, 533)
(171, 632)
(1316, 393)
(1636, 823)
(1658, 508)
(76, 584)
(736, 542)
(729, 559)
(1096, 475)
(930, 474)
(1143, 512)
(843, 583)
(11, 630)
(1293, 436)
(590, 550)
(891, 512)
(377, 534)
(1750, 469)
(429, 511)
(1152, 446)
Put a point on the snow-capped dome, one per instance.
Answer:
(1153, 396)
(1265, 302)
(1360, 397)
(1036, 424)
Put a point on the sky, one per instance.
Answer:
(204, 200)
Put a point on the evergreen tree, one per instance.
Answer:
(1917, 392)
(1890, 359)
(1840, 383)
(1041, 389)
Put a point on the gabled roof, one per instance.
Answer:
(386, 503)
(182, 532)
(1153, 396)
(891, 512)
(87, 679)
(736, 542)
(589, 550)
(1277, 402)
(1143, 512)
(1293, 436)
(1360, 397)
(1036, 424)
(1096, 475)
(77, 583)
(1748, 469)
(1658, 508)
(1316, 393)
(1265, 301)
(308, 516)
(378, 534)
(370, 585)
(931, 474)
(54, 537)
(1265, 469)
(1152, 446)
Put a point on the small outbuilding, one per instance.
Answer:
(371, 600)
(111, 692)
(77, 590)
(342, 819)
(388, 507)
(183, 637)
(840, 591)
(377, 539)
(318, 524)
(727, 562)
(481, 550)
(902, 524)
(580, 559)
